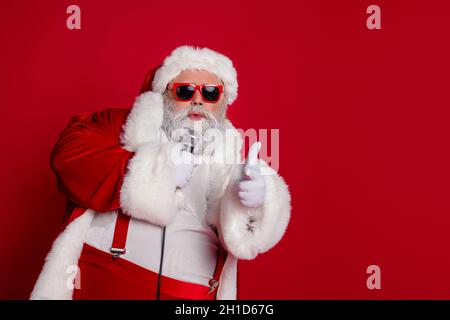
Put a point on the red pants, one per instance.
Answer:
(102, 277)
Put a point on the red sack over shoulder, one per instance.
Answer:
(89, 161)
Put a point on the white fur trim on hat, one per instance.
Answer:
(188, 57)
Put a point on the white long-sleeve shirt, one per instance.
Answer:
(191, 246)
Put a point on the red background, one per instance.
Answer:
(363, 118)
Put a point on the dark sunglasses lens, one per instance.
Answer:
(185, 92)
(211, 93)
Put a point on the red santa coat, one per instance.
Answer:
(119, 158)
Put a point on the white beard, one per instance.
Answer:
(176, 125)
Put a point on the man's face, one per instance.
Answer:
(197, 113)
(196, 77)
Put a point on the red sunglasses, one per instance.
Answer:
(184, 91)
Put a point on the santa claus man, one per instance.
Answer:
(160, 204)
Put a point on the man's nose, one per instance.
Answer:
(197, 99)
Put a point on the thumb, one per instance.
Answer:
(252, 159)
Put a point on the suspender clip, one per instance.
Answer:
(213, 284)
(116, 252)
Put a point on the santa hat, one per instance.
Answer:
(188, 57)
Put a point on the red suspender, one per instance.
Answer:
(120, 234)
(120, 240)
(214, 282)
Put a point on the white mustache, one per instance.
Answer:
(194, 109)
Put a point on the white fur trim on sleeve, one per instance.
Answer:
(148, 189)
(247, 232)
